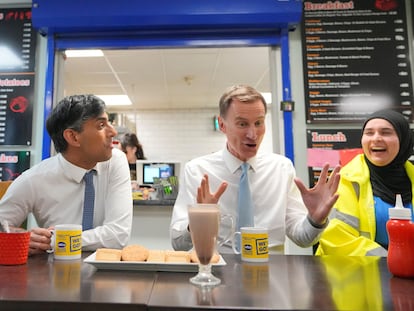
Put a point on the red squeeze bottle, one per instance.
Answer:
(400, 230)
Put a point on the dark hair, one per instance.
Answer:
(243, 93)
(130, 139)
(71, 113)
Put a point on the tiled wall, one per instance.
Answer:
(180, 135)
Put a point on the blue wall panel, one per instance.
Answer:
(63, 16)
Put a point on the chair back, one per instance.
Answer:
(3, 187)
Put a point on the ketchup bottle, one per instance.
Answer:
(400, 230)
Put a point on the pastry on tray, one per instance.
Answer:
(134, 253)
(108, 254)
(140, 253)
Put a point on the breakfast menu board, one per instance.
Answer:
(13, 163)
(356, 59)
(17, 63)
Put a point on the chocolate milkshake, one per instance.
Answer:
(204, 225)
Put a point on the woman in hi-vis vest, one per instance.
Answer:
(368, 187)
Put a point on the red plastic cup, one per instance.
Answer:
(14, 247)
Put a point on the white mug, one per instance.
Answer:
(66, 242)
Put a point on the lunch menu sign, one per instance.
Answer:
(17, 74)
(356, 59)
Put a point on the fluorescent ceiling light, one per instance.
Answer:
(84, 53)
(268, 97)
(116, 100)
(8, 59)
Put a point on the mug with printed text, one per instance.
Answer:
(67, 242)
(253, 244)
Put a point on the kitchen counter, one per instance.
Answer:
(165, 202)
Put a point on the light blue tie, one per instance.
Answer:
(245, 206)
(89, 201)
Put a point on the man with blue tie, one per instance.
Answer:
(87, 182)
(257, 189)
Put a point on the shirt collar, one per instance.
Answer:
(72, 171)
(233, 163)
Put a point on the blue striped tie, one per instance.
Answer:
(89, 201)
(245, 204)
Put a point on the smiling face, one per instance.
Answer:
(380, 142)
(244, 126)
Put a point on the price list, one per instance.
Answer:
(336, 147)
(13, 163)
(356, 59)
(17, 62)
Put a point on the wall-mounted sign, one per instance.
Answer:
(356, 59)
(336, 147)
(17, 62)
(13, 163)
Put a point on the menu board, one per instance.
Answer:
(13, 163)
(17, 63)
(356, 59)
(336, 147)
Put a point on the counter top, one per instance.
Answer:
(287, 282)
(165, 202)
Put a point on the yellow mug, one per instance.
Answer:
(253, 244)
(67, 242)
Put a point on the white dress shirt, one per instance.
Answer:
(278, 204)
(53, 191)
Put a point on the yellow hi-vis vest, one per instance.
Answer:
(351, 229)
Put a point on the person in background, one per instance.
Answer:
(368, 187)
(133, 150)
(282, 203)
(53, 190)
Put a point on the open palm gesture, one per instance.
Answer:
(320, 199)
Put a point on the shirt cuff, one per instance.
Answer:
(315, 225)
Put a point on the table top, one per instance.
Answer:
(287, 282)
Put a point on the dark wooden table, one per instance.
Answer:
(285, 283)
(45, 284)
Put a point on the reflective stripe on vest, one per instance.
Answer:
(351, 221)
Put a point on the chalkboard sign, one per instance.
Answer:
(13, 163)
(356, 59)
(336, 147)
(17, 63)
